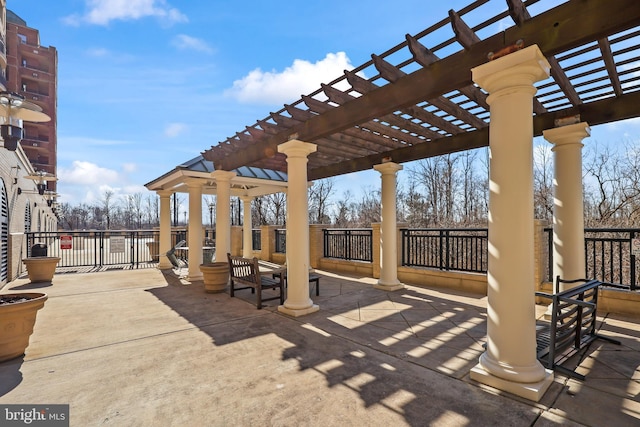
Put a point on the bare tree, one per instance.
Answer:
(437, 176)
(612, 195)
(543, 182)
(152, 209)
(107, 206)
(277, 208)
(319, 195)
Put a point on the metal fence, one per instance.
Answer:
(446, 249)
(351, 244)
(256, 239)
(135, 248)
(281, 241)
(608, 255)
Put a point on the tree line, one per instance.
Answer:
(439, 192)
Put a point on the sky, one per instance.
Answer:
(144, 85)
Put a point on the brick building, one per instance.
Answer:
(31, 71)
(22, 208)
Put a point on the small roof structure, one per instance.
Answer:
(249, 181)
(417, 100)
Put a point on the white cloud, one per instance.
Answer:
(129, 167)
(302, 77)
(98, 52)
(185, 42)
(102, 12)
(173, 130)
(86, 173)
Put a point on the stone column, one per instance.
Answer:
(388, 280)
(510, 362)
(223, 213)
(247, 241)
(298, 302)
(568, 208)
(194, 238)
(165, 228)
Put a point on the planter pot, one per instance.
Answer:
(41, 269)
(17, 319)
(215, 276)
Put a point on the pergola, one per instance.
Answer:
(197, 177)
(461, 84)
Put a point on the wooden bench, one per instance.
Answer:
(246, 273)
(573, 323)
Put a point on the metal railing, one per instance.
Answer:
(349, 244)
(281, 240)
(100, 248)
(446, 249)
(256, 239)
(608, 255)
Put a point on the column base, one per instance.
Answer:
(297, 312)
(195, 278)
(164, 263)
(530, 391)
(393, 286)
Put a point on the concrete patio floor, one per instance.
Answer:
(146, 348)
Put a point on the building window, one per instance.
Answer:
(23, 38)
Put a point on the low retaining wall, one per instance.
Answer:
(469, 282)
(347, 267)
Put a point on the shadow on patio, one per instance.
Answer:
(147, 348)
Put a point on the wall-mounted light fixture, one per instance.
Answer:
(41, 178)
(13, 110)
(51, 197)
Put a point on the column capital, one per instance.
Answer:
(222, 176)
(246, 198)
(388, 168)
(565, 135)
(518, 69)
(297, 148)
(164, 193)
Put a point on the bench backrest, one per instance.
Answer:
(244, 269)
(573, 317)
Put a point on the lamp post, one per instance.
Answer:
(211, 206)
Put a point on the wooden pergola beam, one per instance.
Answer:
(594, 113)
(567, 26)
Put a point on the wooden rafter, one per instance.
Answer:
(467, 38)
(566, 27)
(610, 65)
(520, 14)
(364, 86)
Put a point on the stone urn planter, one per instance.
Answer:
(17, 318)
(215, 276)
(41, 268)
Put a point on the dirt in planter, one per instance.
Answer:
(12, 299)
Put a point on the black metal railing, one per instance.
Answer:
(281, 241)
(609, 255)
(99, 248)
(446, 249)
(256, 239)
(349, 244)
